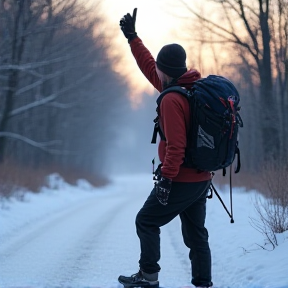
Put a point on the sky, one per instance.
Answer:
(161, 22)
(81, 236)
(156, 24)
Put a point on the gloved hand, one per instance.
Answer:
(127, 24)
(162, 189)
(157, 173)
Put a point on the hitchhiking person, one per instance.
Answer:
(178, 190)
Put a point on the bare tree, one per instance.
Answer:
(55, 84)
(248, 26)
(279, 41)
(272, 211)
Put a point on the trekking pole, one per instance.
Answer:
(231, 206)
(223, 204)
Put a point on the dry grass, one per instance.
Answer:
(248, 180)
(272, 209)
(14, 177)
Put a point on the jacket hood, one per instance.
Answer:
(187, 79)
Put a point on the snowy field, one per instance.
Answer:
(85, 237)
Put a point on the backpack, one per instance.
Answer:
(212, 140)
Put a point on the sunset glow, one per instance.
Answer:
(155, 26)
(158, 23)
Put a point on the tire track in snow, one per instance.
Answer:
(117, 250)
(23, 235)
(174, 251)
(45, 254)
(86, 247)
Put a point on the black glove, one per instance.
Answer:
(162, 189)
(127, 24)
(157, 173)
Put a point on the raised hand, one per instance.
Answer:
(127, 24)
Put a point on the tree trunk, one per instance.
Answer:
(285, 106)
(17, 48)
(270, 130)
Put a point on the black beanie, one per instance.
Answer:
(171, 60)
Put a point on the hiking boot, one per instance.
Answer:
(140, 279)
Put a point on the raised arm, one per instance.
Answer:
(143, 57)
(146, 62)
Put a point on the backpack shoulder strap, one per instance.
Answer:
(177, 89)
(157, 128)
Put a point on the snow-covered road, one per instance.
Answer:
(86, 243)
(87, 239)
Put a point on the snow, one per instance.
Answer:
(80, 236)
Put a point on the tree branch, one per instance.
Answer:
(63, 105)
(35, 65)
(33, 105)
(249, 30)
(41, 145)
(48, 98)
(235, 39)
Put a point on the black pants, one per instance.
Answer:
(189, 201)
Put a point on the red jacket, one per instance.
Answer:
(174, 119)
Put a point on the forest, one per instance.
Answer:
(58, 108)
(56, 90)
(248, 44)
